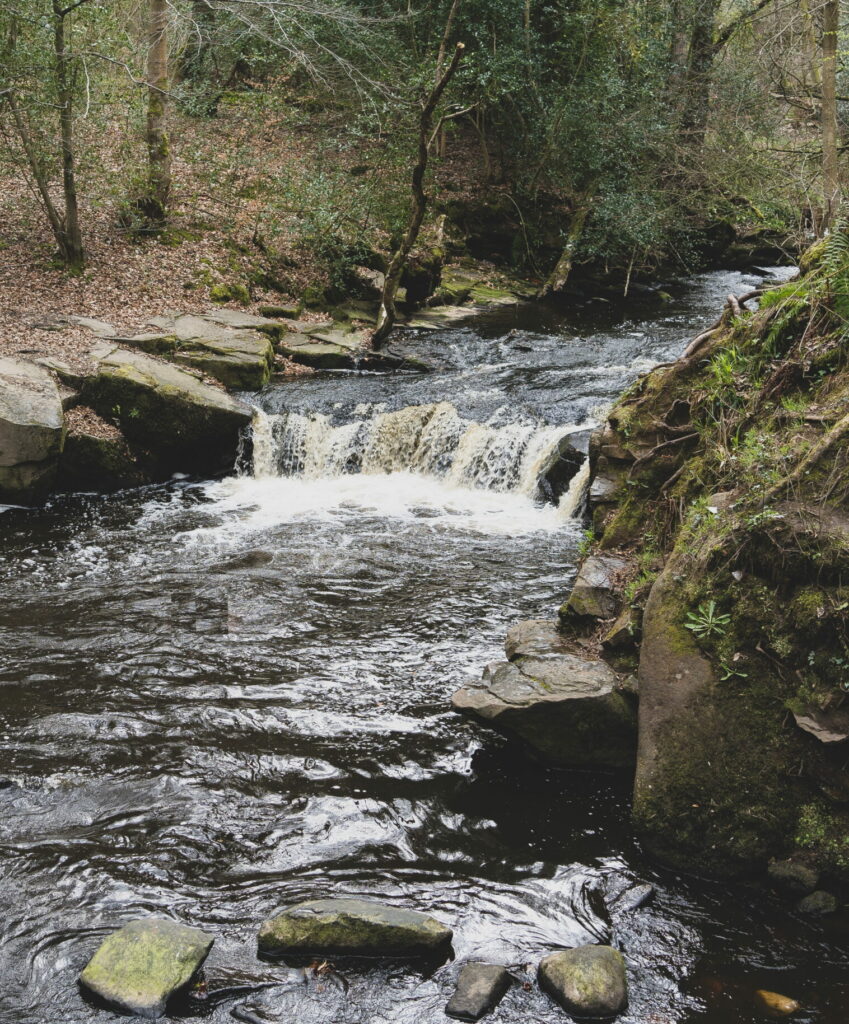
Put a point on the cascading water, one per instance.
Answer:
(428, 440)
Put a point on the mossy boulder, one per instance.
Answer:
(589, 981)
(32, 431)
(353, 927)
(566, 710)
(232, 291)
(138, 968)
(185, 424)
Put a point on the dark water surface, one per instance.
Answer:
(194, 729)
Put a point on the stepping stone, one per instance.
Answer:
(138, 968)
(353, 927)
(588, 981)
(480, 988)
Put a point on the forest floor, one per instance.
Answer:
(254, 190)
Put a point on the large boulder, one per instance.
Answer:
(588, 981)
(32, 431)
(138, 968)
(353, 927)
(185, 424)
(239, 356)
(566, 710)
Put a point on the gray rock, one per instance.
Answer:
(567, 710)
(793, 877)
(595, 594)
(480, 988)
(138, 968)
(818, 904)
(588, 981)
(322, 355)
(534, 637)
(186, 425)
(353, 927)
(829, 727)
(32, 431)
(240, 358)
(101, 464)
(625, 631)
(557, 471)
(632, 899)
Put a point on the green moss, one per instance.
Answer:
(234, 291)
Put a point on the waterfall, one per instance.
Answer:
(429, 440)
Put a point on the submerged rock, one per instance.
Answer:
(353, 927)
(772, 1004)
(596, 593)
(818, 904)
(138, 968)
(634, 898)
(185, 424)
(480, 987)
(793, 877)
(32, 431)
(588, 981)
(568, 710)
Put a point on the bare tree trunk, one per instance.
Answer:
(155, 203)
(700, 58)
(559, 277)
(69, 238)
(830, 165)
(387, 315)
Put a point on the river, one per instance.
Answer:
(218, 698)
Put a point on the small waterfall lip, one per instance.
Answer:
(431, 440)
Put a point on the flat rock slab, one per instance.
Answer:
(32, 430)
(321, 355)
(241, 358)
(138, 968)
(567, 710)
(186, 425)
(534, 637)
(829, 727)
(588, 981)
(353, 927)
(480, 988)
(595, 594)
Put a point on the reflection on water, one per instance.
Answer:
(217, 699)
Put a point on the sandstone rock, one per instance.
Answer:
(240, 358)
(818, 904)
(625, 631)
(288, 311)
(138, 968)
(32, 431)
(793, 877)
(185, 424)
(566, 709)
(829, 727)
(534, 637)
(588, 981)
(480, 988)
(595, 594)
(322, 355)
(772, 1004)
(353, 927)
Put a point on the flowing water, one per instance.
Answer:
(219, 698)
